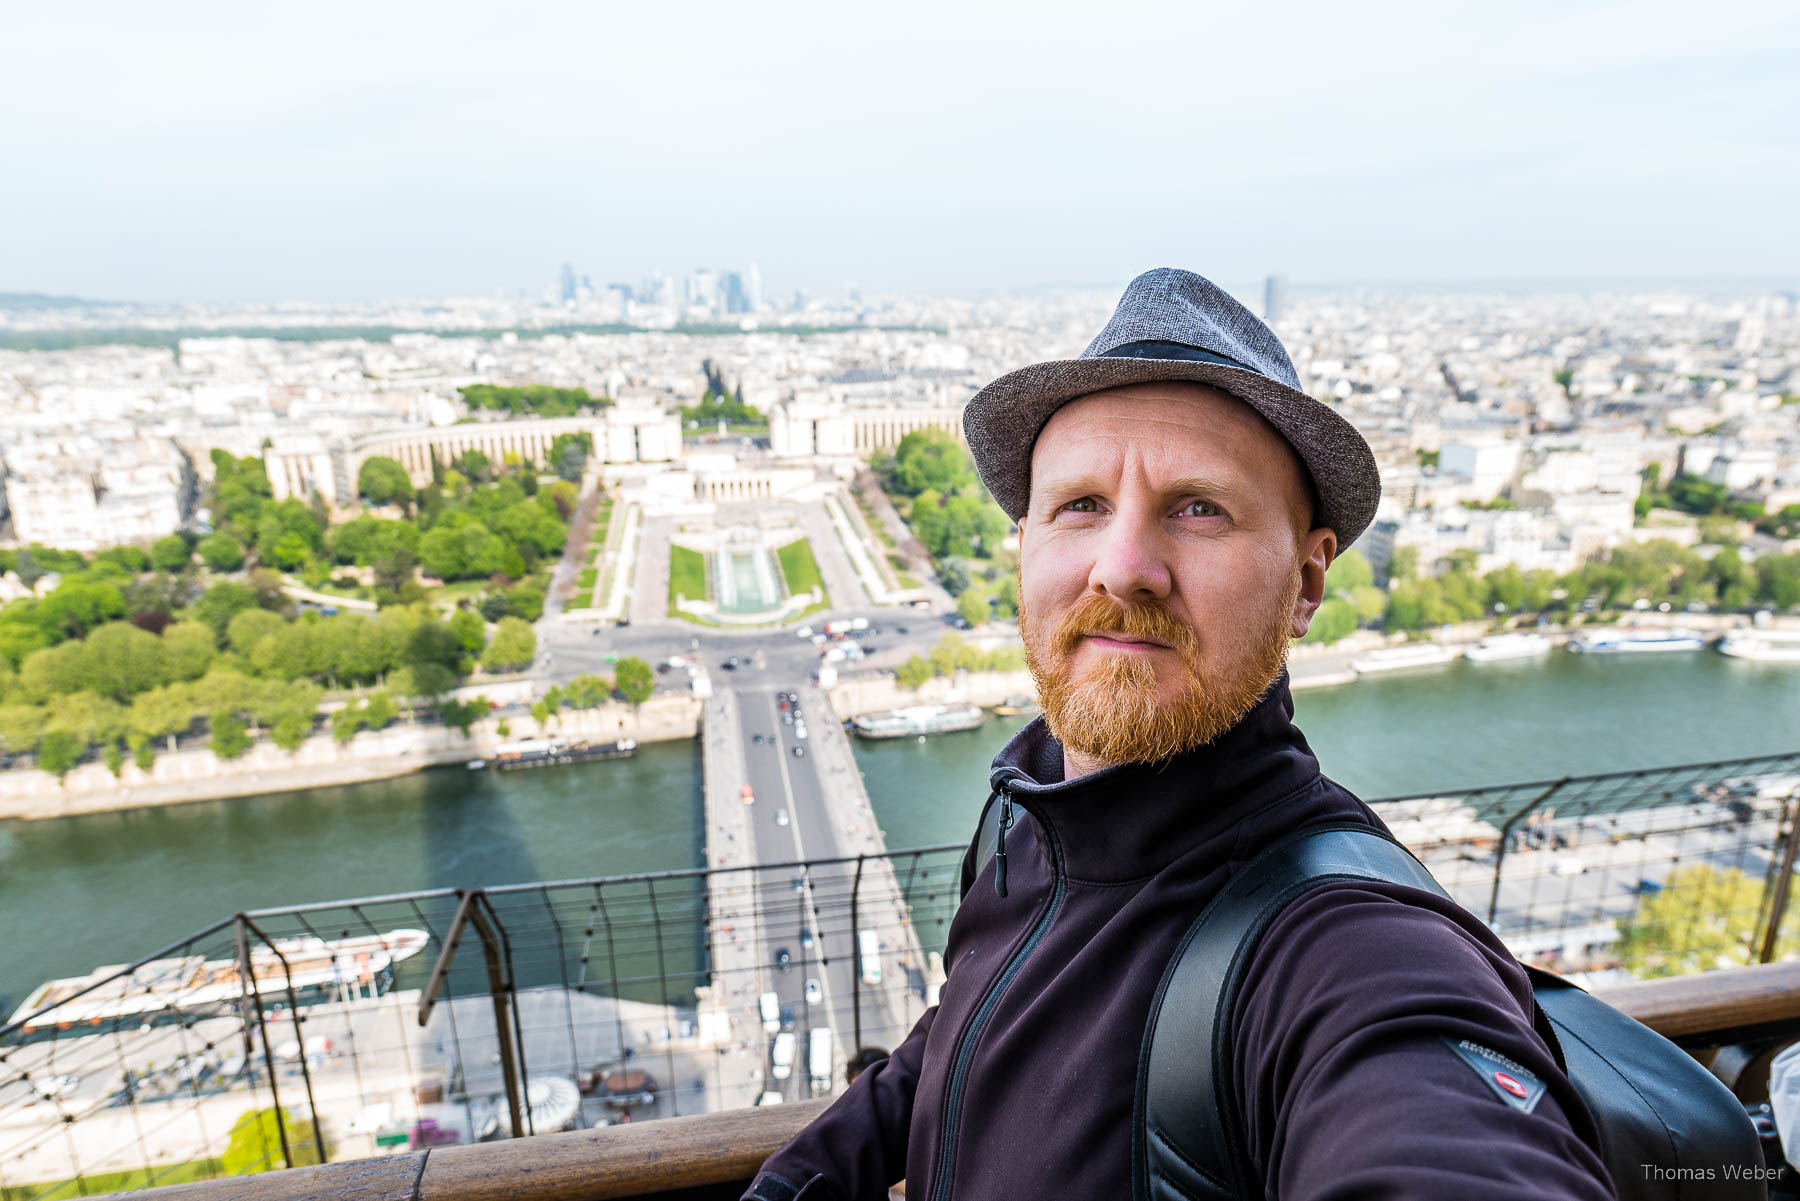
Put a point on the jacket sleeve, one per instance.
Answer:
(1348, 1074)
(857, 1147)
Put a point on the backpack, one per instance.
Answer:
(1652, 1102)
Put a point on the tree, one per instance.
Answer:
(1703, 917)
(255, 1143)
(587, 691)
(569, 455)
(1335, 619)
(229, 739)
(221, 552)
(913, 673)
(220, 603)
(460, 715)
(972, 608)
(930, 460)
(635, 679)
(250, 627)
(346, 722)
(513, 648)
(59, 751)
(290, 730)
(383, 481)
(114, 759)
(171, 553)
(469, 629)
(21, 726)
(380, 710)
(1348, 572)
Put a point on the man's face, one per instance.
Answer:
(1165, 561)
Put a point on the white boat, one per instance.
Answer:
(918, 719)
(1636, 642)
(1403, 658)
(1501, 647)
(1762, 646)
(190, 982)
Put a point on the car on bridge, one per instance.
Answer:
(799, 752)
(784, 962)
(814, 994)
(747, 795)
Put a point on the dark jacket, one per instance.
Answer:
(1020, 1082)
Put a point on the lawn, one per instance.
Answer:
(687, 576)
(798, 568)
(113, 1182)
(587, 579)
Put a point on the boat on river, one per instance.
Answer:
(552, 752)
(1404, 658)
(1501, 647)
(1636, 642)
(1016, 706)
(1762, 646)
(918, 720)
(309, 965)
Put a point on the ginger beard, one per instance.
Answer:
(1115, 712)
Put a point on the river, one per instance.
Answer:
(107, 888)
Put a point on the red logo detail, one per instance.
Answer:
(1510, 1085)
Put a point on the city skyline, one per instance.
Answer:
(234, 157)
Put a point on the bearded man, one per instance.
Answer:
(1179, 500)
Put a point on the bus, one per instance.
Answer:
(819, 1065)
(869, 953)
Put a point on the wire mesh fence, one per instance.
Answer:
(346, 1029)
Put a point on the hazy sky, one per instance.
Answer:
(243, 151)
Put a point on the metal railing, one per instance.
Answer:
(347, 1029)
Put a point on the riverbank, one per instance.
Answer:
(320, 762)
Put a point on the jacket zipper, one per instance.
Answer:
(965, 1051)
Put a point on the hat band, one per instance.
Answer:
(1154, 349)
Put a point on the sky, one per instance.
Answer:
(247, 152)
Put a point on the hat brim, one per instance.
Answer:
(1003, 420)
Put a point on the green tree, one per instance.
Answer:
(461, 715)
(59, 751)
(114, 758)
(569, 455)
(380, 711)
(290, 730)
(587, 691)
(346, 722)
(930, 460)
(171, 553)
(229, 737)
(143, 751)
(1335, 619)
(513, 647)
(1348, 572)
(221, 552)
(635, 679)
(21, 726)
(221, 603)
(972, 608)
(1703, 917)
(470, 629)
(250, 627)
(914, 672)
(383, 481)
(255, 1143)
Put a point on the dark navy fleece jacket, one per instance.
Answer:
(1346, 1085)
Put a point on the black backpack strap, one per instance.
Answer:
(1187, 1143)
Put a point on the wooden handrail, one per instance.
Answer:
(724, 1149)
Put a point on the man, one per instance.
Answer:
(1179, 500)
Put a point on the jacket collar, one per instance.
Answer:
(1130, 820)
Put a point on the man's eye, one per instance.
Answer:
(1200, 508)
(1084, 505)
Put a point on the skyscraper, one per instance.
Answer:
(568, 283)
(1274, 298)
(753, 294)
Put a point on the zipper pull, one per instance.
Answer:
(1006, 820)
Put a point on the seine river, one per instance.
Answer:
(107, 888)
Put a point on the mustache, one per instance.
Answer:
(1149, 620)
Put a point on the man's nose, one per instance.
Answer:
(1129, 563)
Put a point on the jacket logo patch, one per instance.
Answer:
(1512, 1082)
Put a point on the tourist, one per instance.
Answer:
(1179, 500)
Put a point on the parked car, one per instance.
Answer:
(784, 962)
(799, 752)
(806, 938)
(814, 994)
(781, 817)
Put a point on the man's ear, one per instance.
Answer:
(1318, 548)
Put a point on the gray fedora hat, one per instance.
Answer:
(1174, 325)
